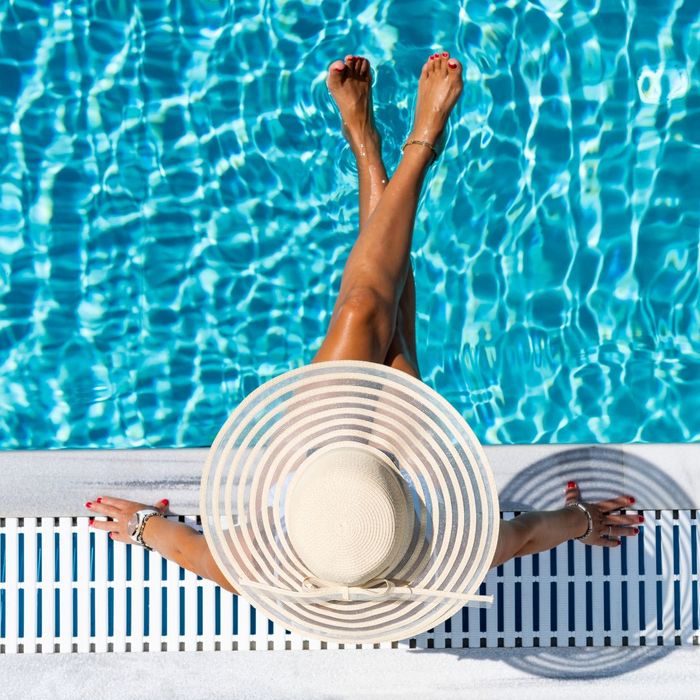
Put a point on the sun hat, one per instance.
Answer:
(349, 502)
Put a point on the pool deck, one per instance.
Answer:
(660, 476)
(58, 482)
(523, 674)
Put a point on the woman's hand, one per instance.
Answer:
(120, 511)
(608, 527)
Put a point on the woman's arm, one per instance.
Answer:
(195, 556)
(173, 540)
(185, 546)
(540, 531)
(537, 531)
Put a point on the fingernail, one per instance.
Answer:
(165, 501)
(452, 64)
(99, 500)
(632, 500)
(571, 485)
(88, 504)
(635, 530)
(92, 520)
(641, 518)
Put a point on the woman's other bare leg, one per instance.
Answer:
(368, 306)
(351, 90)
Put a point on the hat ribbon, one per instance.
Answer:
(324, 592)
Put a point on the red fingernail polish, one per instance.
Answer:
(632, 500)
(641, 518)
(88, 504)
(635, 530)
(99, 500)
(571, 485)
(91, 521)
(165, 501)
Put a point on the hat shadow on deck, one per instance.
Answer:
(601, 472)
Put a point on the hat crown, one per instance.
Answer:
(349, 515)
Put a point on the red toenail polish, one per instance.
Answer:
(445, 54)
(452, 64)
(432, 57)
(339, 68)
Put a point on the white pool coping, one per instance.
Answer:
(58, 482)
(385, 674)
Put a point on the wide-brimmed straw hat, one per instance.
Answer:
(349, 502)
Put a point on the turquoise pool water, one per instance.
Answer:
(178, 203)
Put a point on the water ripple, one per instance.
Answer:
(178, 204)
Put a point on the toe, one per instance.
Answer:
(364, 68)
(454, 66)
(335, 70)
(335, 75)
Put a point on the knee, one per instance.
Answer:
(365, 308)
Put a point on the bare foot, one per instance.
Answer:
(349, 83)
(439, 87)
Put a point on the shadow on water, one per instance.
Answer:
(601, 473)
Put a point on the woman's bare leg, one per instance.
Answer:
(377, 272)
(354, 97)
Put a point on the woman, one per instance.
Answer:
(374, 317)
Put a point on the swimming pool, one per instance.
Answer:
(178, 204)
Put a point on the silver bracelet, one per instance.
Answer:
(139, 534)
(580, 506)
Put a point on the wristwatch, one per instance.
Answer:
(137, 522)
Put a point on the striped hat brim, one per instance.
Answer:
(281, 424)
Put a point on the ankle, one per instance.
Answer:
(417, 153)
(424, 144)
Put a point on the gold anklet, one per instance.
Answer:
(422, 143)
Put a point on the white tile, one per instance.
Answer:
(58, 482)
